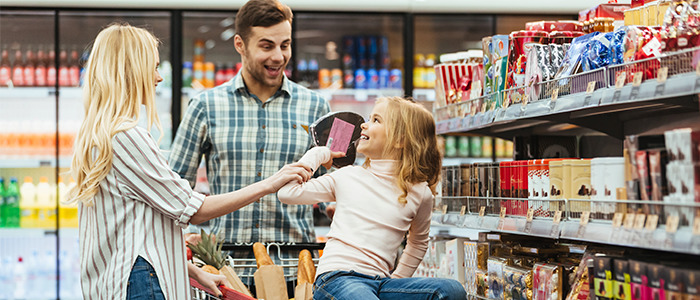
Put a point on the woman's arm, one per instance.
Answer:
(219, 205)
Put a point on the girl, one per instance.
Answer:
(391, 194)
(131, 204)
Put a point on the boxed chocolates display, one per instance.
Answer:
(546, 282)
(602, 278)
(621, 277)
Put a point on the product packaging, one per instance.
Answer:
(518, 283)
(495, 277)
(602, 278)
(521, 42)
(639, 282)
(655, 273)
(621, 276)
(454, 253)
(546, 282)
(549, 26)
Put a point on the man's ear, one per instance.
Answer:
(239, 44)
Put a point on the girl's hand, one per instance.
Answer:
(334, 155)
(293, 172)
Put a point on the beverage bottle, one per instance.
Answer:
(5, 68)
(186, 74)
(27, 204)
(86, 55)
(198, 55)
(209, 75)
(40, 69)
(429, 71)
(68, 213)
(372, 79)
(312, 73)
(418, 69)
(384, 79)
(18, 69)
(360, 79)
(20, 279)
(11, 197)
(29, 64)
(7, 290)
(3, 216)
(51, 68)
(220, 76)
(324, 78)
(74, 68)
(198, 75)
(46, 206)
(395, 79)
(63, 69)
(372, 52)
(337, 78)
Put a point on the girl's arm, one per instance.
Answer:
(417, 241)
(321, 189)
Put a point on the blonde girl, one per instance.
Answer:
(377, 204)
(132, 206)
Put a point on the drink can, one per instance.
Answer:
(348, 52)
(324, 78)
(360, 79)
(337, 78)
(384, 79)
(395, 79)
(348, 79)
(372, 79)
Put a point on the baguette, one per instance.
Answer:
(306, 269)
(261, 256)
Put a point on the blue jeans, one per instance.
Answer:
(143, 282)
(351, 285)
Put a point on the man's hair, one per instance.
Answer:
(263, 13)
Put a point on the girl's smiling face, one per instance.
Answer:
(372, 142)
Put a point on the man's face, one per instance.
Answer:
(266, 53)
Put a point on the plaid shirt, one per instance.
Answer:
(245, 140)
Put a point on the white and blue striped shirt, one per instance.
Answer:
(245, 140)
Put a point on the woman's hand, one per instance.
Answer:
(207, 280)
(334, 155)
(292, 172)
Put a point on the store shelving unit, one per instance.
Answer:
(610, 107)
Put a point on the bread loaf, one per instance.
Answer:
(306, 269)
(261, 256)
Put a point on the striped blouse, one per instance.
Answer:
(139, 210)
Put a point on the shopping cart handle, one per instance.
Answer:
(283, 246)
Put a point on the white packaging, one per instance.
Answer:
(454, 255)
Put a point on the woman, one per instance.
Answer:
(132, 206)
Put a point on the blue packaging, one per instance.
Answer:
(383, 79)
(361, 52)
(395, 79)
(572, 59)
(618, 45)
(598, 52)
(360, 79)
(372, 79)
(372, 52)
(348, 79)
(384, 59)
(348, 52)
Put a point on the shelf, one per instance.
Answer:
(597, 230)
(457, 161)
(20, 163)
(359, 95)
(424, 94)
(652, 105)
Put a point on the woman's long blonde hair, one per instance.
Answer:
(120, 75)
(411, 139)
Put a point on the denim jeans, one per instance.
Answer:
(351, 285)
(143, 282)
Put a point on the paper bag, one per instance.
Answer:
(234, 282)
(304, 291)
(270, 284)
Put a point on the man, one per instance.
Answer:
(251, 126)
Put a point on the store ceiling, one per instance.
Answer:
(417, 6)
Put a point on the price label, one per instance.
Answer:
(503, 213)
(616, 95)
(629, 221)
(483, 107)
(557, 217)
(652, 222)
(637, 79)
(555, 94)
(585, 217)
(620, 80)
(662, 75)
(672, 224)
(697, 69)
(463, 210)
(482, 211)
(591, 87)
(444, 209)
(617, 220)
(639, 221)
(530, 215)
(525, 100)
(696, 226)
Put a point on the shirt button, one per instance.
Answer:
(263, 127)
(294, 125)
(257, 225)
(259, 174)
(261, 150)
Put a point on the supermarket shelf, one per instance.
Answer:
(424, 94)
(456, 161)
(598, 229)
(20, 163)
(27, 92)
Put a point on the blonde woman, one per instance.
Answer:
(132, 206)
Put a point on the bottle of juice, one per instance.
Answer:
(18, 69)
(51, 68)
(27, 204)
(63, 69)
(74, 68)
(29, 63)
(12, 212)
(46, 207)
(5, 68)
(40, 69)
(68, 213)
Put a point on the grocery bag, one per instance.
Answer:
(270, 283)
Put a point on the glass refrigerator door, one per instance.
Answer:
(351, 59)
(27, 156)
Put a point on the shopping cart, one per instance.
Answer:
(238, 265)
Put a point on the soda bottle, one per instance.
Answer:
(3, 217)
(198, 55)
(324, 78)
(27, 204)
(220, 76)
(395, 79)
(63, 69)
(40, 69)
(360, 79)
(51, 68)
(11, 197)
(18, 69)
(186, 74)
(198, 75)
(429, 71)
(337, 78)
(74, 68)
(372, 52)
(384, 79)
(418, 71)
(46, 207)
(209, 75)
(372, 79)
(29, 63)
(5, 69)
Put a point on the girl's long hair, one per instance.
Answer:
(411, 139)
(119, 77)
